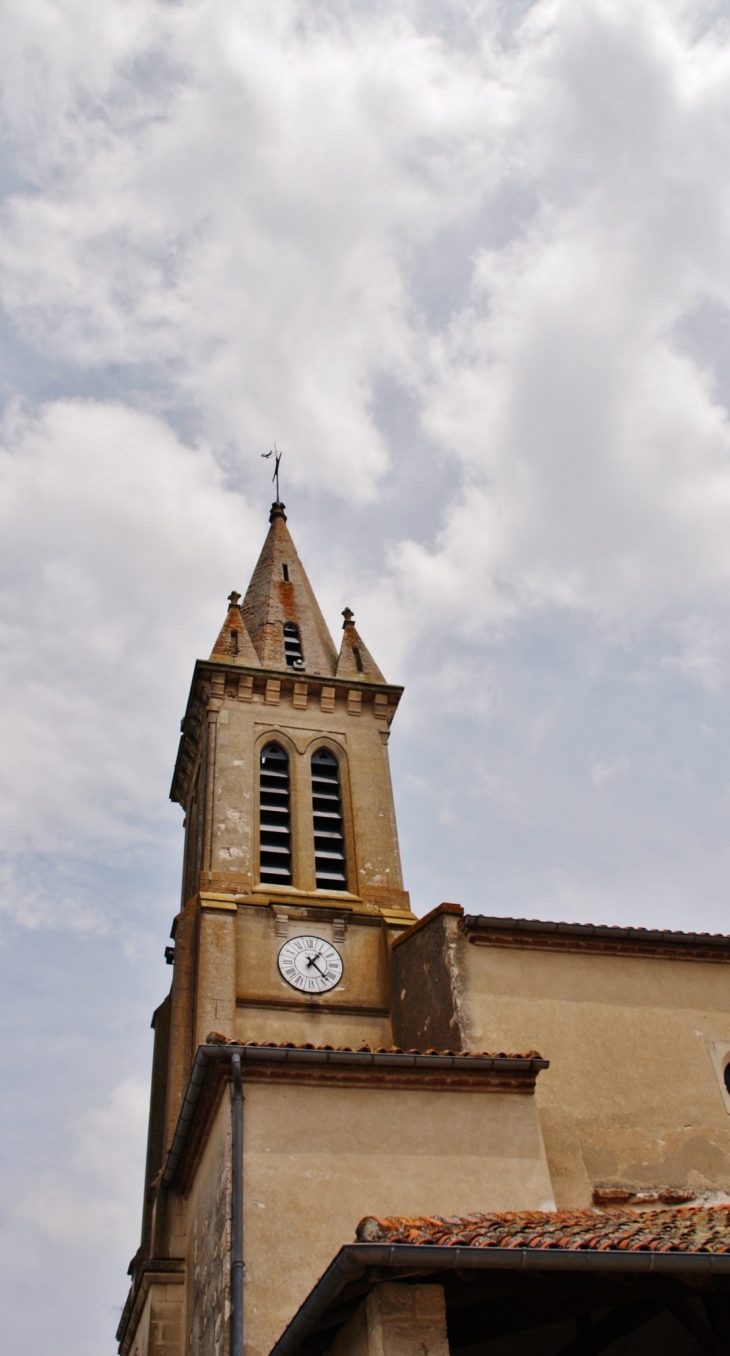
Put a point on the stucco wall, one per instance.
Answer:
(317, 1159)
(631, 1097)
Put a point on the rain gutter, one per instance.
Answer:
(355, 1258)
(276, 1054)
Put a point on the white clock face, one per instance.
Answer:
(310, 964)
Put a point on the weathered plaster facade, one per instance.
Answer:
(636, 1029)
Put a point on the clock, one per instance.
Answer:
(310, 964)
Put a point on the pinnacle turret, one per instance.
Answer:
(355, 659)
(233, 641)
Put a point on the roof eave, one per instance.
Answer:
(525, 1067)
(539, 934)
(355, 1258)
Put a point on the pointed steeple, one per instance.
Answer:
(355, 659)
(280, 596)
(234, 642)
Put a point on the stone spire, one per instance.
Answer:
(355, 659)
(234, 642)
(280, 594)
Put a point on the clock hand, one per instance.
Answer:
(313, 961)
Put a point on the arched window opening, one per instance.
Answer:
(293, 646)
(329, 841)
(274, 818)
(726, 1077)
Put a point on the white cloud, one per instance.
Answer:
(460, 685)
(541, 727)
(607, 769)
(118, 546)
(241, 211)
(32, 904)
(704, 650)
(238, 201)
(597, 458)
(94, 1197)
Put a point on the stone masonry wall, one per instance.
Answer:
(209, 1258)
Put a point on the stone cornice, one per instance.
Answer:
(233, 665)
(158, 1271)
(209, 690)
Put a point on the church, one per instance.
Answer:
(372, 1134)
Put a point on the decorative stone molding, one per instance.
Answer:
(273, 691)
(300, 696)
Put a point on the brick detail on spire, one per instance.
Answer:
(280, 592)
(355, 659)
(233, 641)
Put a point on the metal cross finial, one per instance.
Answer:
(277, 455)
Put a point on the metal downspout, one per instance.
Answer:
(237, 1251)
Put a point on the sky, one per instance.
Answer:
(467, 262)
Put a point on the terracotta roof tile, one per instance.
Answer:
(217, 1038)
(608, 931)
(688, 1229)
(551, 924)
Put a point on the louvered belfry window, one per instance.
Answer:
(274, 817)
(329, 842)
(293, 646)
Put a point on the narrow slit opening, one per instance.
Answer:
(293, 646)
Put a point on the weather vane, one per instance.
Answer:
(277, 455)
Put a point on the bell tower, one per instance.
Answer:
(274, 714)
(292, 880)
(298, 972)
